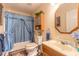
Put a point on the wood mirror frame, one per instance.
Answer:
(59, 21)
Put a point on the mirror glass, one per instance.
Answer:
(66, 18)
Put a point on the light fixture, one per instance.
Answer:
(53, 4)
(29, 3)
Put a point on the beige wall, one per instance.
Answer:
(48, 17)
(2, 26)
(49, 12)
(6, 8)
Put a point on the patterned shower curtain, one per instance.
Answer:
(18, 29)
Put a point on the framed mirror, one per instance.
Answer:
(66, 18)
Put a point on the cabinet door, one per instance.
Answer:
(39, 21)
(42, 22)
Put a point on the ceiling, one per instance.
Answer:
(23, 7)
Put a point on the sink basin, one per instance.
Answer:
(67, 48)
(63, 46)
(59, 45)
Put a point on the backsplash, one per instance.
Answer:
(68, 39)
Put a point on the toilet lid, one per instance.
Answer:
(31, 46)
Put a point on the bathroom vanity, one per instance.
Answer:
(55, 48)
(66, 22)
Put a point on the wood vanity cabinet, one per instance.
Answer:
(39, 21)
(47, 51)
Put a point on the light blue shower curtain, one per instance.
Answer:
(18, 29)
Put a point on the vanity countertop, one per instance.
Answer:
(63, 49)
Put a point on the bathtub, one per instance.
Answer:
(31, 48)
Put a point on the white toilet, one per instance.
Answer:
(31, 49)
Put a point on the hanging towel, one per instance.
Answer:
(48, 36)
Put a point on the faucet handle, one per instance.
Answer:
(62, 42)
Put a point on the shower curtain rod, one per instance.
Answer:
(17, 13)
